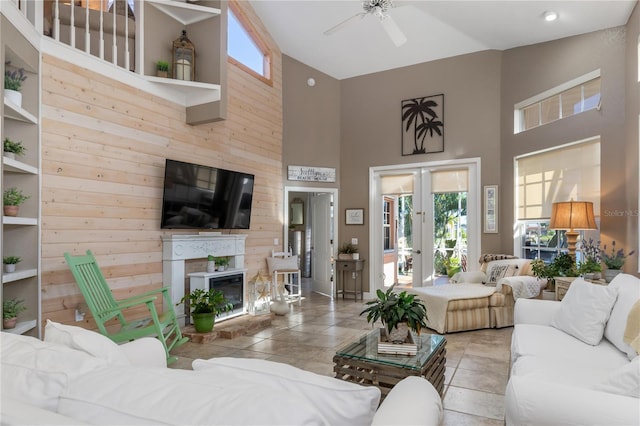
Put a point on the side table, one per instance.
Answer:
(353, 267)
(563, 284)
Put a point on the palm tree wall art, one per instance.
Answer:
(422, 125)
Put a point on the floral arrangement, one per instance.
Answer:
(616, 259)
(591, 257)
(13, 79)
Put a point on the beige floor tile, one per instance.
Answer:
(474, 402)
(453, 418)
(486, 381)
(489, 350)
(484, 364)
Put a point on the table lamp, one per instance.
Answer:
(572, 216)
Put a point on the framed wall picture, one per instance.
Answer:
(423, 125)
(354, 217)
(491, 209)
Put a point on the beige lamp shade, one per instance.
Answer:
(573, 215)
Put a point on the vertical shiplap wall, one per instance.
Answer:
(103, 150)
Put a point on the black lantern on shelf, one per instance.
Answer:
(184, 58)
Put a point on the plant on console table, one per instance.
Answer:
(614, 261)
(348, 251)
(205, 306)
(563, 265)
(398, 312)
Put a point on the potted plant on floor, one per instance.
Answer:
(398, 312)
(10, 263)
(11, 200)
(12, 148)
(13, 84)
(205, 306)
(11, 308)
(613, 261)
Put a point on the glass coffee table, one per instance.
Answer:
(360, 362)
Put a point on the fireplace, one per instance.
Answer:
(232, 288)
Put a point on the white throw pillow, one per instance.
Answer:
(93, 343)
(584, 311)
(624, 380)
(628, 288)
(340, 402)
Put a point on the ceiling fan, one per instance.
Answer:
(377, 8)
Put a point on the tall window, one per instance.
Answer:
(571, 98)
(245, 48)
(387, 223)
(562, 174)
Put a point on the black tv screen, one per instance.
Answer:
(205, 197)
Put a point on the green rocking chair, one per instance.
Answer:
(104, 307)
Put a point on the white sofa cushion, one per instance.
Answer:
(134, 395)
(421, 402)
(584, 311)
(565, 372)
(340, 402)
(628, 288)
(624, 380)
(36, 372)
(79, 338)
(554, 345)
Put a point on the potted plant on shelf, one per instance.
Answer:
(12, 148)
(590, 268)
(162, 69)
(221, 262)
(11, 200)
(211, 264)
(11, 308)
(205, 306)
(563, 265)
(348, 251)
(13, 84)
(613, 261)
(398, 312)
(10, 263)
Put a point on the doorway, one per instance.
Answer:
(312, 238)
(427, 216)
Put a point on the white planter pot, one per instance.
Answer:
(11, 155)
(356, 256)
(9, 267)
(14, 96)
(211, 266)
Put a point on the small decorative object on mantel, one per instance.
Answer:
(399, 313)
(211, 264)
(422, 125)
(162, 69)
(184, 58)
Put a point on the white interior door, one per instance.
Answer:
(321, 244)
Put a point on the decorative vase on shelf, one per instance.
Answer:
(10, 210)
(11, 155)
(9, 267)
(8, 323)
(13, 96)
(610, 274)
(211, 266)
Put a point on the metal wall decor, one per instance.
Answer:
(423, 125)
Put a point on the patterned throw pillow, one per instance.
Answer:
(496, 272)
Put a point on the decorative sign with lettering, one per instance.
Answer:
(312, 174)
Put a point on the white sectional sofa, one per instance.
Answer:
(573, 362)
(77, 376)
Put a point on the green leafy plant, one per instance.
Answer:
(563, 265)
(162, 66)
(204, 302)
(616, 259)
(13, 79)
(12, 146)
(221, 261)
(347, 248)
(393, 308)
(11, 260)
(12, 307)
(589, 266)
(211, 258)
(14, 197)
(452, 266)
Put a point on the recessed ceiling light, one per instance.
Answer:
(550, 16)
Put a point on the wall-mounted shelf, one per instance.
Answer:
(15, 166)
(9, 277)
(22, 327)
(15, 112)
(185, 13)
(12, 220)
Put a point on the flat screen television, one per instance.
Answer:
(203, 197)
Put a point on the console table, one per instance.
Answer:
(563, 284)
(353, 267)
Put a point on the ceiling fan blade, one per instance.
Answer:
(344, 23)
(394, 32)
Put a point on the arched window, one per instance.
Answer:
(245, 48)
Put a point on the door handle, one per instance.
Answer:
(417, 251)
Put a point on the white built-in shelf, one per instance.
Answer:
(15, 112)
(9, 277)
(184, 85)
(22, 327)
(14, 220)
(185, 13)
(15, 166)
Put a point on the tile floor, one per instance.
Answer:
(477, 361)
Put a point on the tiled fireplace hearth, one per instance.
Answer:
(176, 249)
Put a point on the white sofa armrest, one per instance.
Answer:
(413, 401)
(534, 311)
(16, 412)
(145, 352)
(469, 277)
(534, 402)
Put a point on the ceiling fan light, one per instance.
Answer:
(550, 16)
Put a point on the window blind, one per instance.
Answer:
(449, 181)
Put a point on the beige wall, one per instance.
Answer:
(104, 145)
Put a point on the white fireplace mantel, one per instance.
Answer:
(178, 248)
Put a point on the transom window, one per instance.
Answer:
(245, 48)
(571, 98)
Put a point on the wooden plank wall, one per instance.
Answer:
(104, 146)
